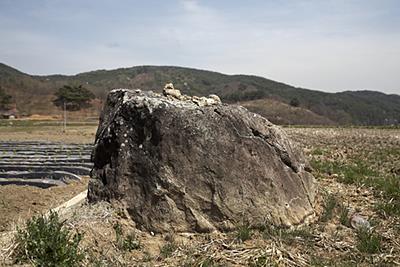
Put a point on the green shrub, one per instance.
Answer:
(46, 242)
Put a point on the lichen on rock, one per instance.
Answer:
(184, 163)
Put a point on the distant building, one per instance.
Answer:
(9, 114)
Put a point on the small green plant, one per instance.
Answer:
(131, 242)
(326, 167)
(329, 207)
(303, 233)
(168, 248)
(208, 262)
(118, 231)
(317, 152)
(389, 186)
(354, 173)
(320, 262)
(243, 232)
(269, 230)
(344, 215)
(368, 241)
(287, 235)
(259, 261)
(204, 261)
(47, 242)
(391, 208)
(397, 229)
(126, 243)
(147, 256)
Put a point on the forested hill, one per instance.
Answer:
(277, 101)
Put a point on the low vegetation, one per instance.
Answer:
(329, 205)
(371, 192)
(361, 107)
(368, 241)
(243, 232)
(168, 248)
(125, 242)
(5, 100)
(46, 241)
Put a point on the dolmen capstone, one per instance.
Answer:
(194, 164)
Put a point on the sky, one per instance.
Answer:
(328, 45)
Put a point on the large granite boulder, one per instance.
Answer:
(191, 165)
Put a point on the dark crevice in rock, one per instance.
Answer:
(180, 166)
(218, 112)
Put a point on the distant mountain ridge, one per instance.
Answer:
(33, 94)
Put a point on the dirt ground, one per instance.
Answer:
(18, 203)
(73, 134)
(329, 240)
(349, 165)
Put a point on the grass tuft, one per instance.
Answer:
(344, 217)
(168, 249)
(46, 242)
(391, 208)
(125, 243)
(287, 235)
(329, 207)
(368, 241)
(259, 261)
(243, 232)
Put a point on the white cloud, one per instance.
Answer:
(191, 6)
(328, 46)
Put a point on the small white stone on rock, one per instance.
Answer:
(169, 86)
(215, 97)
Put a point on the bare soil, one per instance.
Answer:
(328, 241)
(18, 203)
(74, 134)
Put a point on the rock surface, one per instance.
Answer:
(181, 166)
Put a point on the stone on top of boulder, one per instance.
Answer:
(189, 164)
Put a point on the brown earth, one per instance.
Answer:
(323, 243)
(74, 134)
(326, 242)
(19, 203)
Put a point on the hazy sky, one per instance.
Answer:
(330, 45)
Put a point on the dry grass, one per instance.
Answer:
(18, 130)
(330, 241)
